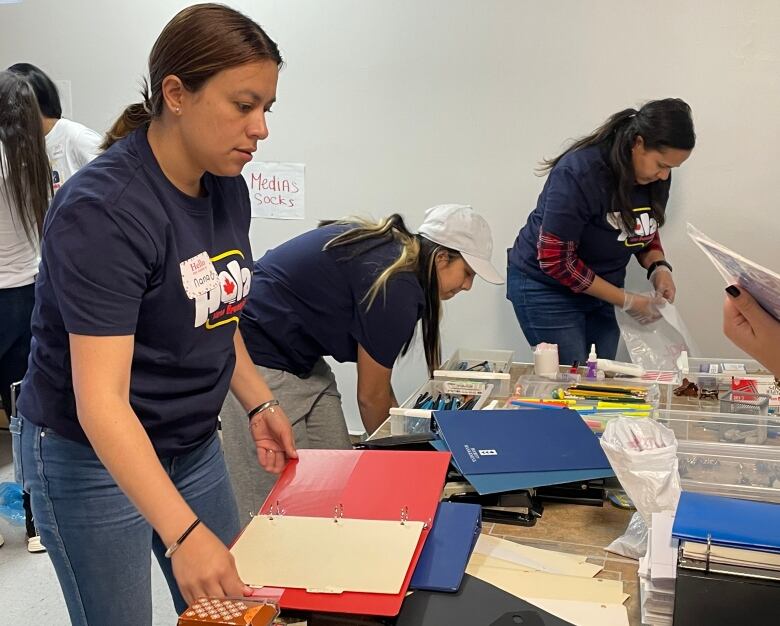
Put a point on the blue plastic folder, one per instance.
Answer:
(448, 547)
(499, 483)
(728, 522)
(498, 442)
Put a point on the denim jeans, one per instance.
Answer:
(99, 543)
(556, 315)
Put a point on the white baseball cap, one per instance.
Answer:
(459, 227)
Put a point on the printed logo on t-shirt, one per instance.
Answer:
(219, 285)
(644, 231)
(56, 180)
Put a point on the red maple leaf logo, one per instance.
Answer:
(229, 286)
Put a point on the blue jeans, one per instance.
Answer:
(557, 315)
(99, 543)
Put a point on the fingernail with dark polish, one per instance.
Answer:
(732, 291)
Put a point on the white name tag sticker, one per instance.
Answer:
(198, 275)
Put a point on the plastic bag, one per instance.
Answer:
(643, 454)
(11, 506)
(656, 346)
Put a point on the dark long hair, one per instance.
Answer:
(198, 43)
(417, 254)
(661, 124)
(24, 169)
(43, 86)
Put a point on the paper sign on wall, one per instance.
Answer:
(276, 190)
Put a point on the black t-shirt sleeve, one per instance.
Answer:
(388, 324)
(100, 262)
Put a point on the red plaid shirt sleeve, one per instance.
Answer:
(558, 259)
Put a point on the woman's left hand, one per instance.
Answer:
(664, 283)
(274, 439)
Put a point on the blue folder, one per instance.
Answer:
(510, 481)
(448, 547)
(498, 442)
(728, 522)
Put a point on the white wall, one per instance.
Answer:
(396, 106)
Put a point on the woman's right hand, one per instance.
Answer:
(751, 328)
(204, 568)
(643, 308)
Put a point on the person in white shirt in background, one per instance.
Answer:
(69, 146)
(25, 191)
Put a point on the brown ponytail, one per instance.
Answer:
(134, 116)
(198, 43)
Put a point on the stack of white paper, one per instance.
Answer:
(657, 572)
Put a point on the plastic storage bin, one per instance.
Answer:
(405, 419)
(499, 362)
(711, 461)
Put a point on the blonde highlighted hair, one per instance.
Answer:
(417, 255)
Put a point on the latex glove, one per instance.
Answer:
(751, 328)
(204, 568)
(663, 283)
(643, 307)
(274, 439)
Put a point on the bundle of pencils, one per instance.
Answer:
(605, 393)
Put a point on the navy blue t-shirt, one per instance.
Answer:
(306, 303)
(576, 205)
(124, 252)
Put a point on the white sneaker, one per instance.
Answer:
(34, 544)
(2, 541)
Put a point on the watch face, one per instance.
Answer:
(519, 618)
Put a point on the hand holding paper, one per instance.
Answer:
(751, 328)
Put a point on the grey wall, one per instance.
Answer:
(396, 106)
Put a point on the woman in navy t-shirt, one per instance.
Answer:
(145, 267)
(603, 202)
(354, 292)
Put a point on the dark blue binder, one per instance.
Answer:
(728, 522)
(448, 547)
(497, 442)
(476, 603)
(511, 481)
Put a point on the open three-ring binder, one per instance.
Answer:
(341, 527)
(728, 535)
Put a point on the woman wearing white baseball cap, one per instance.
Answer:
(353, 290)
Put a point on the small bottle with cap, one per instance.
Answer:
(592, 363)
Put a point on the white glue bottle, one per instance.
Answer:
(592, 363)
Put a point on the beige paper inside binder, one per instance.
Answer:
(524, 584)
(326, 556)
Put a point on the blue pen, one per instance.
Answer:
(442, 403)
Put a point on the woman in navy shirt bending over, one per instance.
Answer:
(353, 291)
(603, 202)
(145, 264)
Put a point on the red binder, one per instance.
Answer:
(361, 484)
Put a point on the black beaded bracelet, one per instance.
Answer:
(262, 407)
(175, 545)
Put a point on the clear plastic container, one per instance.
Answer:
(436, 387)
(726, 454)
(496, 372)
